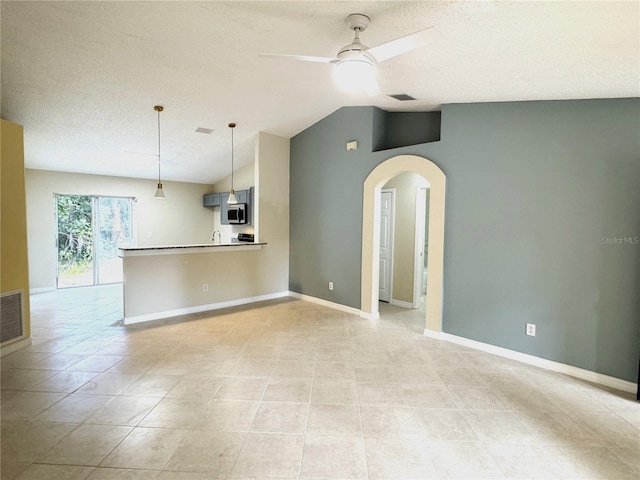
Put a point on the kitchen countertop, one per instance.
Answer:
(193, 248)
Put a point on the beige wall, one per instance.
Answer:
(405, 185)
(272, 171)
(243, 179)
(179, 219)
(170, 283)
(13, 228)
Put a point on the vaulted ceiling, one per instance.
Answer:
(83, 77)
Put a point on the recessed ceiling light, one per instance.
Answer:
(206, 131)
(403, 97)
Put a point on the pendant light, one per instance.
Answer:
(232, 196)
(159, 191)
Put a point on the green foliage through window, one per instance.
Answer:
(75, 231)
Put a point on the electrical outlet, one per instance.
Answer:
(531, 329)
(330, 285)
(205, 287)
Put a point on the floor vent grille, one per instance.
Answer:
(11, 316)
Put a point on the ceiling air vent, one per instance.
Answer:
(206, 131)
(403, 97)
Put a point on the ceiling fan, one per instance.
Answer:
(355, 64)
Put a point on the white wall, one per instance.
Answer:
(243, 179)
(179, 219)
(405, 185)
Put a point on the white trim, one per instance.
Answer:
(37, 291)
(401, 303)
(201, 308)
(370, 316)
(392, 238)
(577, 372)
(14, 346)
(433, 334)
(326, 303)
(418, 244)
(378, 177)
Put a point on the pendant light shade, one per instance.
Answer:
(159, 191)
(232, 195)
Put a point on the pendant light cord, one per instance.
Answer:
(232, 158)
(159, 162)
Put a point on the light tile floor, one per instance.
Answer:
(288, 389)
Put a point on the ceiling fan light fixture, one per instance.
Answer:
(355, 73)
(355, 64)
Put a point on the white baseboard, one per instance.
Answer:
(325, 303)
(370, 316)
(577, 372)
(14, 346)
(335, 306)
(401, 303)
(35, 291)
(201, 308)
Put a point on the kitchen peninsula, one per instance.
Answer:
(167, 281)
(196, 248)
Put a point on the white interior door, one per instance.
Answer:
(386, 245)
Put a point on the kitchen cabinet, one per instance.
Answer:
(211, 200)
(243, 196)
(224, 212)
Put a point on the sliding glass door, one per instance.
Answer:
(90, 231)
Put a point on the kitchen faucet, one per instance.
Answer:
(213, 236)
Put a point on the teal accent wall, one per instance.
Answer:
(542, 222)
(398, 129)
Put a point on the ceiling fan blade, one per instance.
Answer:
(304, 58)
(404, 44)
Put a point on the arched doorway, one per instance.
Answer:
(371, 234)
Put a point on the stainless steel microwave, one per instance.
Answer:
(237, 213)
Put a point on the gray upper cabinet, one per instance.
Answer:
(211, 200)
(241, 196)
(220, 200)
(248, 199)
(224, 215)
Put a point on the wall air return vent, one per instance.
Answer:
(11, 316)
(403, 97)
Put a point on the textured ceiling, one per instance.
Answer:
(83, 77)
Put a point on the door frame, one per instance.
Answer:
(378, 177)
(95, 227)
(392, 236)
(418, 246)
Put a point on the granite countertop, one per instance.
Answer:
(193, 248)
(196, 245)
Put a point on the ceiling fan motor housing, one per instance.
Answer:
(353, 55)
(356, 50)
(358, 21)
